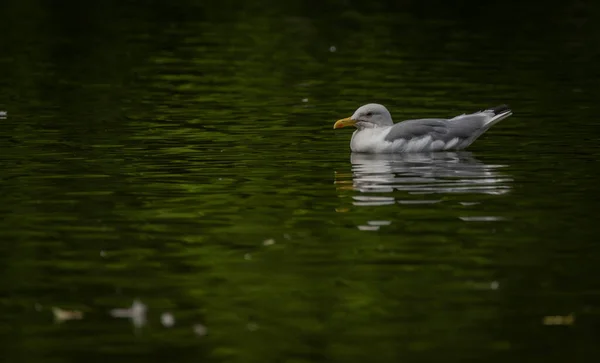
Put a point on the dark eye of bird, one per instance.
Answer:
(369, 114)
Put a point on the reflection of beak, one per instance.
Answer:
(344, 122)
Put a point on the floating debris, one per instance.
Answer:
(103, 253)
(3, 114)
(167, 320)
(252, 326)
(61, 315)
(137, 313)
(200, 330)
(247, 257)
(494, 285)
(269, 242)
(332, 49)
(559, 320)
(287, 236)
(305, 100)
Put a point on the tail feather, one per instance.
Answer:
(499, 109)
(500, 113)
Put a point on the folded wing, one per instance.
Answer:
(439, 134)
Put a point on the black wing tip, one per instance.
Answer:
(500, 109)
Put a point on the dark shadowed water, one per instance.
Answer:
(180, 157)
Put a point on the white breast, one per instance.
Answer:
(371, 141)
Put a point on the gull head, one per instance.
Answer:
(368, 116)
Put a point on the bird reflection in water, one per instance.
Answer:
(379, 177)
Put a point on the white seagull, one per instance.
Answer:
(377, 133)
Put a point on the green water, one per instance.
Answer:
(183, 155)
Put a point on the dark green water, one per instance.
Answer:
(183, 155)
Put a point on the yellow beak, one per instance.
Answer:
(344, 122)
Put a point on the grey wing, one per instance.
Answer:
(407, 130)
(461, 127)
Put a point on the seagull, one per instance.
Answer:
(376, 133)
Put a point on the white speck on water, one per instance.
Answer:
(252, 326)
(200, 330)
(247, 257)
(368, 228)
(167, 320)
(269, 242)
(469, 203)
(287, 236)
(332, 49)
(494, 285)
(102, 253)
(137, 313)
(379, 223)
(305, 100)
(37, 307)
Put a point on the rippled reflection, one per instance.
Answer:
(452, 172)
(411, 180)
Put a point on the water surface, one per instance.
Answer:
(183, 156)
